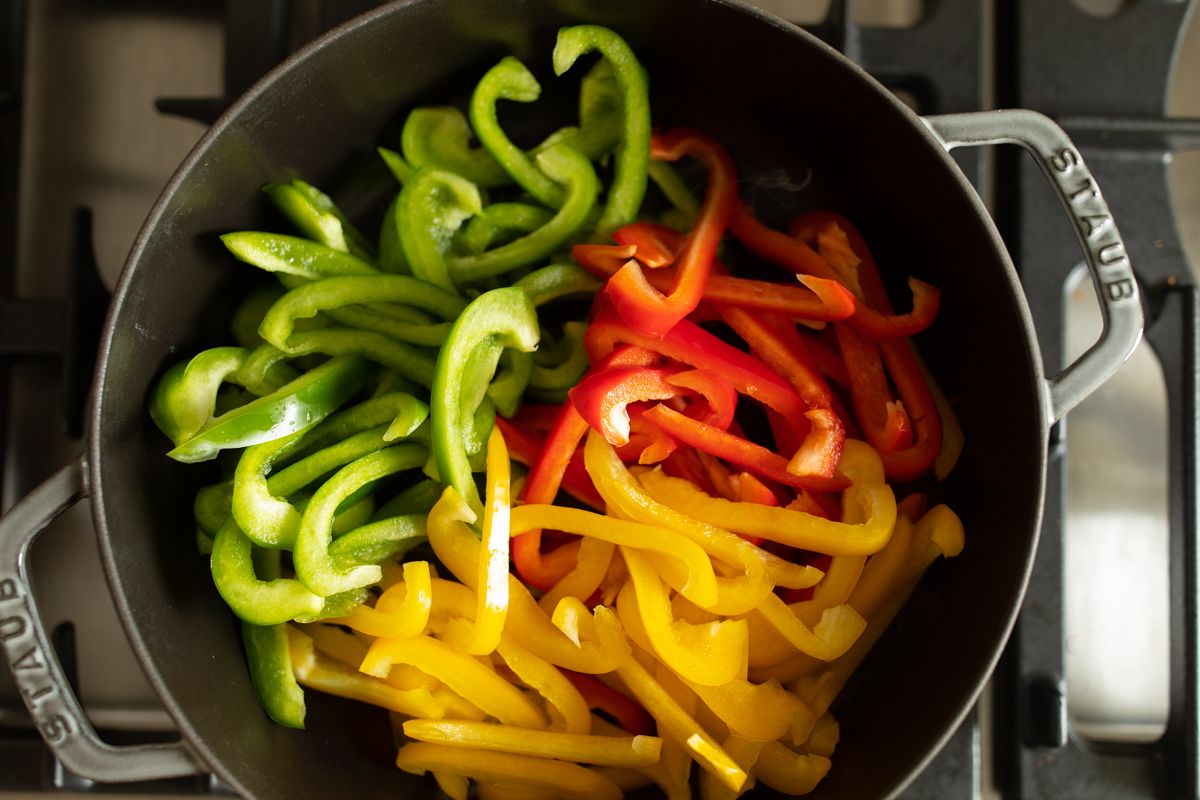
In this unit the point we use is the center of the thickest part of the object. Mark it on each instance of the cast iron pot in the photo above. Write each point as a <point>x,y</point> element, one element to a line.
<point>779,99</point>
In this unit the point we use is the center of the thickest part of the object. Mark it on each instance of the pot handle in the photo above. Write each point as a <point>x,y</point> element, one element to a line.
<point>51,701</point>
<point>1104,251</point>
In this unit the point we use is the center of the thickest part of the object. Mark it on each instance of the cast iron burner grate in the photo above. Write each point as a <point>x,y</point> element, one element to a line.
<point>1084,71</point>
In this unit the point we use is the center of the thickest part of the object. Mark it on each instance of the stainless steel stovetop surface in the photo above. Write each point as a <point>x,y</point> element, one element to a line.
<point>92,137</point>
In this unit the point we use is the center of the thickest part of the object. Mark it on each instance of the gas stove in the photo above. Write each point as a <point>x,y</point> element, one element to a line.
<point>1097,694</point>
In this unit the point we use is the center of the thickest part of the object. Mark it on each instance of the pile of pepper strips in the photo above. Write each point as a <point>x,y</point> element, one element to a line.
<point>734,567</point>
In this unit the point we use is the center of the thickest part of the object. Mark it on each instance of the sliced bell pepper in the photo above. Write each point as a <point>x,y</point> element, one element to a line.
<point>791,773</point>
<point>625,751</point>
<point>314,565</point>
<point>292,255</point>
<point>378,541</point>
<point>401,170</point>
<point>784,525</point>
<point>641,305</point>
<point>883,420</point>
<point>556,281</point>
<point>602,697</point>
<point>433,205</point>
<point>307,399</point>
<point>270,662</point>
<point>495,320</point>
<point>500,220</point>
<point>407,618</point>
<point>438,137</point>
<point>736,450</point>
<point>551,683</point>
<point>628,186</point>
<point>554,379</point>
<point>526,448</point>
<point>602,397</point>
<point>317,217</point>
<point>567,166</point>
<point>511,80</point>
<point>254,600</point>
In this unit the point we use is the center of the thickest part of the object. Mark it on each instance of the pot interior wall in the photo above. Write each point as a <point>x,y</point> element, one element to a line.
<point>780,101</point>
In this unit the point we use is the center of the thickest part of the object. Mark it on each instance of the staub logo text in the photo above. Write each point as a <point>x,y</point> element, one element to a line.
<point>29,663</point>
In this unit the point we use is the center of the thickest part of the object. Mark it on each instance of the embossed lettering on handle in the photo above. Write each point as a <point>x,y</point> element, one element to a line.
<point>1104,251</point>
<point>39,676</point>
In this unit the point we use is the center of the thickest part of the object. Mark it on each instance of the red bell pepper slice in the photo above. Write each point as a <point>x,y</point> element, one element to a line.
<point>796,255</point>
<point>821,300</point>
<point>720,395</point>
<point>736,450</point>
<point>822,447</point>
<point>623,709</point>
<point>602,397</point>
<point>648,443</point>
<point>883,421</point>
<point>692,345</point>
<point>638,302</point>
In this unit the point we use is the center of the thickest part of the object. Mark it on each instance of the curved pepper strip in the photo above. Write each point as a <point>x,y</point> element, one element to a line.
<point>735,595</point>
<point>399,412</point>
<point>315,671</point>
<point>314,565</point>
<point>411,362</point>
<point>625,496</point>
<point>784,525</point>
<point>692,345</point>
<point>249,312</point>
<point>407,618</point>
<point>700,586</point>
<point>185,397</point>
<point>378,541</point>
<point>391,251</point>
<point>459,672</point>
<point>416,499</point>
<point>270,662</point>
<point>710,654</point>
<point>531,774</point>
<point>499,219</point>
<point>676,723</point>
<point>633,153</point>
<point>401,170</point>
<point>761,712</point>
<point>318,217</point>
<point>791,773</point>
<point>552,380</point>
<point>458,548</point>
<point>567,166</point>
<point>297,404</point>
<point>438,137</point>
<point>258,602</point>
<point>625,751</point>
<point>495,320</point>
<point>556,281</point>
<point>602,697</point>
<point>591,567</point>
<point>636,300</point>
<point>883,421</point>
<point>510,80</point>
<point>433,205</point>
<point>736,450</point>
<point>513,373</point>
<point>551,683</point>
<point>292,255</point>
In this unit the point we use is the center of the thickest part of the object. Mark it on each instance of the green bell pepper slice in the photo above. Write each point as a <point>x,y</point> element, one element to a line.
<point>318,217</point>
<point>292,255</point>
<point>564,363</point>
<point>249,313</point>
<point>314,565</point>
<point>270,664</point>
<point>557,281</point>
<point>416,499</point>
<point>340,296</point>
<point>500,221</point>
<point>307,399</point>
<point>378,541</point>
<point>391,251</point>
<point>401,170</point>
<point>511,80</point>
<point>185,398</point>
<point>431,207</point>
<point>671,184</point>
<point>438,137</point>
<point>566,165</point>
<point>260,601</point>
<point>495,320</point>
<point>507,388</point>
<point>628,186</point>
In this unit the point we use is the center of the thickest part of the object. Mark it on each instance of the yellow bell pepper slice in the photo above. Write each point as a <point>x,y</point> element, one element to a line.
<point>401,612</point>
<point>569,711</point>
<point>789,772</point>
<point>457,548</point>
<point>709,654</point>
<point>838,629</point>
<point>336,643</point>
<point>761,712</point>
<point>595,556</point>
<point>625,498</point>
<point>582,748</point>
<point>785,525</point>
<point>671,772</point>
<point>701,583</point>
<point>456,787</point>
<point>492,584</point>
<point>461,673</point>
<point>745,752</point>
<point>315,671</point>
<point>569,781</point>
<point>675,722</point>
<point>736,594</point>
<point>823,740</point>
